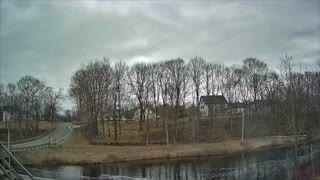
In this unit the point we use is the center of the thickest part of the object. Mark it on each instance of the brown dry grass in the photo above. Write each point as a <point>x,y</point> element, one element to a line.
<point>131,133</point>
<point>215,131</point>
<point>79,151</point>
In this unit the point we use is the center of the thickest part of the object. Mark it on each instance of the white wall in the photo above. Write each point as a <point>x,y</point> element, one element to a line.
<point>203,109</point>
<point>147,112</point>
<point>6,116</point>
<point>237,110</point>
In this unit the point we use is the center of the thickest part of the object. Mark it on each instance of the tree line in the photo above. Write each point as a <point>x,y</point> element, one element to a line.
<point>26,102</point>
<point>105,89</point>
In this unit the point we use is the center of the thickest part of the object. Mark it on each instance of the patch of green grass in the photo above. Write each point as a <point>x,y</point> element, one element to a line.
<point>16,135</point>
<point>44,125</point>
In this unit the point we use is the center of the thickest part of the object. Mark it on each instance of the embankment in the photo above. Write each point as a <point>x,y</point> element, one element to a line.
<point>79,151</point>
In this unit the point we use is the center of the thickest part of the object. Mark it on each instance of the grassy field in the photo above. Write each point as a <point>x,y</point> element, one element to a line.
<point>206,130</point>
<point>15,134</point>
<point>44,125</point>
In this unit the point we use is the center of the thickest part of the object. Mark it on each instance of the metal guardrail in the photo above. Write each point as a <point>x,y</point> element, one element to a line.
<point>24,140</point>
<point>33,147</point>
<point>54,143</point>
<point>4,153</point>
<point>27,140</point>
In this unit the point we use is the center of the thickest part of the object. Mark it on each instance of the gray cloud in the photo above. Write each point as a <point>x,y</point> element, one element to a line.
<point>51,39</point>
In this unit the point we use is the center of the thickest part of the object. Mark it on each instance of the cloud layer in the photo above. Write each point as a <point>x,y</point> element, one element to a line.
<point>50,40</point>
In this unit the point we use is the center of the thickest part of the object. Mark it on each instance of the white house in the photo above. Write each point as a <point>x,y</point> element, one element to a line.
<point>149,114</point>
<point>6,116</point>
<point>213,105</point>
<point>237,108</point>
<point>110,118</point>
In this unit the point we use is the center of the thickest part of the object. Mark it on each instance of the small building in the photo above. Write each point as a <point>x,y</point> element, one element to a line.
<point>5,116</point>
<point>111,114</point>
<point>111,118</point>
<point>213,105</point>
<point>125,115</point>
<point>237,108</point>
<point>149,114</point>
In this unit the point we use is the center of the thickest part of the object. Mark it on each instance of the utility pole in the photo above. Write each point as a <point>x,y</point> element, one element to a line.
<point>242,127</point>
<point>9,129</point>
<point>49,130</point>
<point>50,120</point>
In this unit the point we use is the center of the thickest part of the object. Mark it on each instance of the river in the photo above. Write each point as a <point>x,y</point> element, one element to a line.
<point>267,164</point>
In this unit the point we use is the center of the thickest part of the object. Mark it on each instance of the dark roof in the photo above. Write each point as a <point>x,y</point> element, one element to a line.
<point>237,105</point>
<point>261,102</point>
<point>214,99</point>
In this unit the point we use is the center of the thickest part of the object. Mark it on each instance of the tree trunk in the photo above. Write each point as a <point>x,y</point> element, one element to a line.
<point>141,116</point>
<point>102,124</point>
<point>166,128</point>
<point>231,125</point>
<point>109,133</point>
<point>157,123</point>
<point>193,130</point>
<point>119,111</point>
<point>148,127</point>
<point>114,118</point>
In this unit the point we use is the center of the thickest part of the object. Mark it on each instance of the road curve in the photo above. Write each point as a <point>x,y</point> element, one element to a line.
<point>58,136</point>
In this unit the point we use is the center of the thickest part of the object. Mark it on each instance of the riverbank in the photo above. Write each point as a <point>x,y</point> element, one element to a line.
<point>79,151</point>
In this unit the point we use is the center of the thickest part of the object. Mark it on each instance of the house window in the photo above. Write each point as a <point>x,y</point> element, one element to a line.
<point>201,107</point>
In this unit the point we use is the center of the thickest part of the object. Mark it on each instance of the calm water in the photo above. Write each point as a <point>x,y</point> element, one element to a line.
<point>265,164</point>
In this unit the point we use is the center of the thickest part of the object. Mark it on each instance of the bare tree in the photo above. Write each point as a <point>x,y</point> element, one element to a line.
<point>88,89</point>
<point>217,78</point>
<point>108,78</point>
<point>138,82</point>
<point>177,71</point>
<point>295,108</point>
<point>30,90</point>
<point>11,99</point>
<point>237,83</point>
<point>230,80</point>
<point>196,67</point>
<point>1,95</point>
<point>120,70</point>
<point>155,87</point>
<point>147,99</point>
<point>208,76</point>
<point>52,98</point>
<point>164,87</point>
<point>255,71</point>
<point>2,100</point>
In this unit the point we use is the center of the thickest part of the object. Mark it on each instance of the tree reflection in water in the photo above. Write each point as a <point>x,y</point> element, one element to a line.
<point>265,165</point>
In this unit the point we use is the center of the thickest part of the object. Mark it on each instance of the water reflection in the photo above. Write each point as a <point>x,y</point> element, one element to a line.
<point>262,165</point>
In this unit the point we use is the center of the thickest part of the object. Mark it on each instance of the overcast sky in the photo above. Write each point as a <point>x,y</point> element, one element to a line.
<point>50,40</point>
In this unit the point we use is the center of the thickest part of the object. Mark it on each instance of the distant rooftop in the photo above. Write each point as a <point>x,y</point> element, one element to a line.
<point>237,105</point>
<point>214,99</point>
